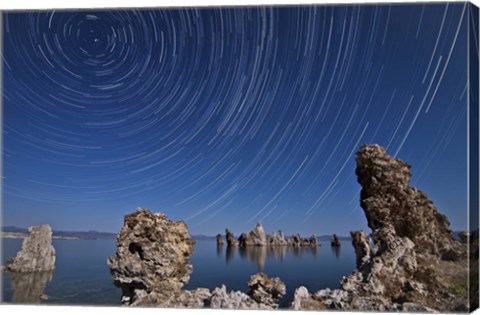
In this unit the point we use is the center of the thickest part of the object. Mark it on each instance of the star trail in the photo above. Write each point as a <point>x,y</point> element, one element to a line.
<point>226,116</point>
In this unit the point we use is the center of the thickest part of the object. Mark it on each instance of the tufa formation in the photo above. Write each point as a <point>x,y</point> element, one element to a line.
<point>415,264</point>
<point>153,254</point>
<point>37,253</point>
<point>152,264</point>
<point>258,237</point>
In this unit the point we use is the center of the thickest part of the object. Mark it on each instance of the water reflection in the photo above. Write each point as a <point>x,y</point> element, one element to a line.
<point>336,251</point>
<point>219,250</point>
<point>229,254</point>
<point>29,287</point>
<point>259,254</point>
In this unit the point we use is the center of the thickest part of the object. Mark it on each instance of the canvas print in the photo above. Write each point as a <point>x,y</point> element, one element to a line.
<point>301,157</point>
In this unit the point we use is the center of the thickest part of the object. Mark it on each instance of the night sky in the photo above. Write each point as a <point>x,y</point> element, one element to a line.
<point>226,117</point>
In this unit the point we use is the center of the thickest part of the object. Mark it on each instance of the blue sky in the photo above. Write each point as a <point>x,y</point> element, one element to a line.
<point>226,117</point>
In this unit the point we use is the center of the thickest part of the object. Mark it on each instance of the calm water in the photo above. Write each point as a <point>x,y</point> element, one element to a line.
<point>82,275</point>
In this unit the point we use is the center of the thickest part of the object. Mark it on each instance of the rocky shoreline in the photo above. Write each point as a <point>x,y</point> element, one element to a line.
<point>152,264</point>
<point>24,235</point>
<point>414,265</point>
<point>410,261</point>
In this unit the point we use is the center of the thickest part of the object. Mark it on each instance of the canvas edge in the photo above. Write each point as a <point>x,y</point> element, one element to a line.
<point>473,148</point>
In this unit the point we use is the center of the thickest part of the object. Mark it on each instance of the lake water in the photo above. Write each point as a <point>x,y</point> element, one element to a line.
<point>82,275</point>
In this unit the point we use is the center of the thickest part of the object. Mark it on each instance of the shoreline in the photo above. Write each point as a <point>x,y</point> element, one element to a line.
<point>24,235</point>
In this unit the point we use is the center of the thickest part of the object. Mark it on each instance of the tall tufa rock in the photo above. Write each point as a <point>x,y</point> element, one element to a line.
<point>415,264</point>
<point>335,241</point>
<point>389,202</point>
<point>266,290</point>
<point>256,237</point>
<point>37,253</point>
<point>153,255</point>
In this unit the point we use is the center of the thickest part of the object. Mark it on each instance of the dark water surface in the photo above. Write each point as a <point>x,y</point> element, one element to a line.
<point>82,275</point>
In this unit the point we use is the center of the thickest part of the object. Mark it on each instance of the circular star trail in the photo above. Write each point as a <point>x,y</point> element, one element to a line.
<point>228,116</point>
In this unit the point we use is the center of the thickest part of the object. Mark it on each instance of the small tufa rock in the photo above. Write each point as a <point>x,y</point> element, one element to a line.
<point>220,240</point>
<point>304,301</point>
<point>335,242</point>
<point>37,253</point>
<point>266,290</point>
<point>313,240</point>
<point>231,241</point>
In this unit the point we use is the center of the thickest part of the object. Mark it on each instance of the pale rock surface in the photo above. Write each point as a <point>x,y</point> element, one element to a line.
<point>153,255</point>
<point>266,290</point>
<point>37,253</point>
<point>223,299</point>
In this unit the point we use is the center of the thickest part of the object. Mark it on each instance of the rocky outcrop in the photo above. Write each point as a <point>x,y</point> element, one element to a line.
<point>197,298</point>
<point>258,237</point>
<point>361,245</point>
<point>313,241</point>
<point>298,241</point>
<point>231,241</point>
<point>153,255</point>
<point>220,240</point>
<point>303,300</point>
<point>37,253</point>
<point>415,261</point>
<point>335,241</point>
<point>152,263</point>
<point>276,239</point>
<point>265,292</point>
<point>389,201</point>
<point>233,300</point>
